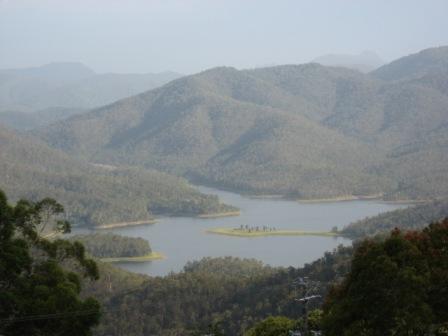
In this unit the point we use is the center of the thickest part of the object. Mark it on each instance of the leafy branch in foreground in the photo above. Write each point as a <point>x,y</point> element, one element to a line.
<point>39,281</point>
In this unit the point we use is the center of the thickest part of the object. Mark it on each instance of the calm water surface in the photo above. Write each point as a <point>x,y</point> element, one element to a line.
<point>184,239</point>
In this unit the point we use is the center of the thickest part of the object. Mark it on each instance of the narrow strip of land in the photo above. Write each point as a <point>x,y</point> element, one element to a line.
<point>344,198</point>
<point>124,224</point>
<point>148,257</point>
<point>220,214</point>
<point>254,233</point>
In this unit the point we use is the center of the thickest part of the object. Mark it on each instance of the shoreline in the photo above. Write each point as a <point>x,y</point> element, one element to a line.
<point>125,224</point>
<point>410,202</point>
<point>346,198</point>
<point>238,233</point>
<point>149,257</point>
<point>360,198</point>
<point>220,214</point>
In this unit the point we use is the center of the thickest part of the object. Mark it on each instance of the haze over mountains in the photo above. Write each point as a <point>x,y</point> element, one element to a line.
<point>364,62</point>
<point>307,131</point>
<point>35,96</point>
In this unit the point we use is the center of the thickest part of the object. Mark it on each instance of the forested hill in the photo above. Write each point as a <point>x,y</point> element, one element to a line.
<point>428,61</point>
<point>94,195</point>
<point>232,293</point>
<point>308,131</point>
<point>412,218</point>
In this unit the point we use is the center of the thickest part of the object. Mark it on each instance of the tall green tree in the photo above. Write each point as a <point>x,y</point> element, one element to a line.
<point>398,286</point>
<point>40,278</point>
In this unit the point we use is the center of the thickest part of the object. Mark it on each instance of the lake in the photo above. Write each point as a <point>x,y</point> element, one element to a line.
<point>184,239</point>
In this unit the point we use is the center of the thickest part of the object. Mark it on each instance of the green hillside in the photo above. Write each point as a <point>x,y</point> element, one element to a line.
<point>230,292</point>
<point>413,218</point>
<point>94,195</point>
<point>306,131</point>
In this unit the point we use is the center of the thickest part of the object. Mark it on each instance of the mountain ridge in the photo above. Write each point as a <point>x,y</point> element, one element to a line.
<point>307,131</point>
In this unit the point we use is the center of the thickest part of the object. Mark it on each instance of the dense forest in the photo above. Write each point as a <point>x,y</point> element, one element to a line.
<point>92,194</point>
<point>111,245</point>
<point>231,293</point>
<point>396,286</point>
<point>306,131</point>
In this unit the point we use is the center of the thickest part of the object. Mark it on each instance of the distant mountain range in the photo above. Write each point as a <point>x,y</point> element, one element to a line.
<point>308,131</point>
<point>364,62</point>
<point>65,89</point>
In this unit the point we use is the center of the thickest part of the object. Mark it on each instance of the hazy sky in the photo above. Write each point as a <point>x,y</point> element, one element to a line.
<point>191,35</point>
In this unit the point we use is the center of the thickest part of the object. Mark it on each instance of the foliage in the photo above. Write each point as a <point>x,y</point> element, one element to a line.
<point>111,245</point>
<point>227,267</point>
<point>272,326</point>
<point>395,287</point>
<point>39,281</point>
<point>112,282</point>
<point>229,294</point>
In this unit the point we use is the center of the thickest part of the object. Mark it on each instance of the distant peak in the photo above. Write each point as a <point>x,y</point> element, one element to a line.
<point>56,66</point>
<point>78,66</point>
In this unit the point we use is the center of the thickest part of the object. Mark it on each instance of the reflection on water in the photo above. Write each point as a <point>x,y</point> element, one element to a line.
<point>183,239</point>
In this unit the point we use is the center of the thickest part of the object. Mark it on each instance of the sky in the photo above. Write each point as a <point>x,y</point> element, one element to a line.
<point>188,36</point>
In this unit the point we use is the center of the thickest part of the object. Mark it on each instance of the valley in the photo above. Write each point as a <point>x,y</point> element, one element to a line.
<point>215,203</point>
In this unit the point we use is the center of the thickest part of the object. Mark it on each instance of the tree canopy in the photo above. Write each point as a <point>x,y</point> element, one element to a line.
<point>40,278</point>
<point>398,286</point>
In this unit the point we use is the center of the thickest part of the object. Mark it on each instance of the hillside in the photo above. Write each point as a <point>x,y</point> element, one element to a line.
<point>431,61</point>
<point>413,218</point>
<point>230,292</point>
<point>306,131</point>
<point>21,121</point>
<point>93,195</point>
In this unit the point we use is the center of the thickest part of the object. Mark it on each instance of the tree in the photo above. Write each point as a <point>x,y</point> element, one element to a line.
<point>315,319</point>
<point>272,326</point>
<point>39,281</point>
<point>397,286</point>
